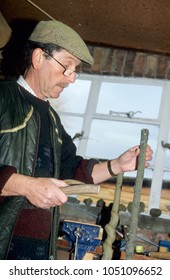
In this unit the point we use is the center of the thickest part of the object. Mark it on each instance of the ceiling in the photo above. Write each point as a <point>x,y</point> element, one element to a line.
<point>142,24</point>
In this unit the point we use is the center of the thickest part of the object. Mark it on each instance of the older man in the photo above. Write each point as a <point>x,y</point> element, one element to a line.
<point>36,153</point>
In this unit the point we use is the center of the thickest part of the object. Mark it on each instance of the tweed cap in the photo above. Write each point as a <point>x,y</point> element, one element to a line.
<point>58,33</point>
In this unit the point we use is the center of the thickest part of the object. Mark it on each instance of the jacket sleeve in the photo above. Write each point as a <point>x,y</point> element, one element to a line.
<point>5,174</point>
<point>72,165</point>
<point>84,170</point>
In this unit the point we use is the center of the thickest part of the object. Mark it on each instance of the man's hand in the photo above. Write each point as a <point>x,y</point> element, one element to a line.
<point>45,192</point>
<point>41,192</point>
<point>128,160</point>
<point>124,163</point>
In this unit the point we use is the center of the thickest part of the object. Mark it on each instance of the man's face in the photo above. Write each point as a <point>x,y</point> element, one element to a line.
<point>51,75</point>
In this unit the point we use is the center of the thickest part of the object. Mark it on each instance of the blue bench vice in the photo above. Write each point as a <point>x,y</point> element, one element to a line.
<point>83,237</point>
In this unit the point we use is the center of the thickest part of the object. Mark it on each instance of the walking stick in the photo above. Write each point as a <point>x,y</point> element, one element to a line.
<point>137,195</point>
<point>111,226</point>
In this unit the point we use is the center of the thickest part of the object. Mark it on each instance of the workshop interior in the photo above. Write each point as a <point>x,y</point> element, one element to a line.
<point>128,216</point>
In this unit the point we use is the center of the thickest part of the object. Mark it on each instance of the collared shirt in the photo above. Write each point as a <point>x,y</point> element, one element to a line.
<point>21,81</point>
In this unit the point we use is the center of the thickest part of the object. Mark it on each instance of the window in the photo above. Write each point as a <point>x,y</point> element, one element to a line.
<point>105,116</point>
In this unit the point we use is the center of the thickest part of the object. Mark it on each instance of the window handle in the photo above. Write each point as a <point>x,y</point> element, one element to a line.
<point>165,145</point>
<point>129,114</point>
<point>78,135</point>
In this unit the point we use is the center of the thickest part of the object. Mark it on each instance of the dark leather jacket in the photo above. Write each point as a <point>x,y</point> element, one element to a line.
<point>19,137</point>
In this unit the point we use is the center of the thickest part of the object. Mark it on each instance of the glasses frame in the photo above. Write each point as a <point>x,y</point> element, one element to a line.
<point>67,71</point>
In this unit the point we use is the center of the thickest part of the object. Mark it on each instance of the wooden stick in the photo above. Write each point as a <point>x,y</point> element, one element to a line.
<point>41,10</point>
<point>80,189</point>
<point>111,226</point>
<point>137,195</point>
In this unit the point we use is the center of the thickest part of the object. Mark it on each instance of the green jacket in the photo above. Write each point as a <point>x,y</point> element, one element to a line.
<point>19,137</point>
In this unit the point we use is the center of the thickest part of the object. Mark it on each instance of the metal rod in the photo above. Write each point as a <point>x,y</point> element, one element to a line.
<point>147,241</point>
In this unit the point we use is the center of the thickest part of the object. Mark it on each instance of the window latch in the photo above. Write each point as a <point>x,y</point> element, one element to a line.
<point>78,135</point>
<point>129,114</point>
<point>165,145</point>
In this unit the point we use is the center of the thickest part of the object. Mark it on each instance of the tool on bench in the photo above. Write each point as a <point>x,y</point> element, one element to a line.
<point>163,246</point>
<point>82,237</point>
<point>159,255</point>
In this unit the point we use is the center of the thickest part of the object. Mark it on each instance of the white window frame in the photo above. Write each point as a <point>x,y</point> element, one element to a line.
<point>163,122</point>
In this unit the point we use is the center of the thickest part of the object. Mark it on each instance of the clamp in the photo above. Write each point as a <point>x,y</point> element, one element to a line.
<point>82,237</point>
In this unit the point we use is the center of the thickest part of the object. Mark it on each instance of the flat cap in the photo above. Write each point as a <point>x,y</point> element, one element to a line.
<point>58,33</point>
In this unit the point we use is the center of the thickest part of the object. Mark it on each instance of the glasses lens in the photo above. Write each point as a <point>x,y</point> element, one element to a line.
<point>69,72</point>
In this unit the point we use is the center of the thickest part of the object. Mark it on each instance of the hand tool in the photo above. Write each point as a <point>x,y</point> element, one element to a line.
<point>78,187</point>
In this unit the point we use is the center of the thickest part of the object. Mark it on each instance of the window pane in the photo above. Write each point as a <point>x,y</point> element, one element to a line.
<point>72,126</point>
<point>109,139</point>
<point>74,98</point>
<point>130,97</point>
<point>166,176</point>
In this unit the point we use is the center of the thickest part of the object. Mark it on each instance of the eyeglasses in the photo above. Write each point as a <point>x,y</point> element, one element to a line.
<point>67,71</point>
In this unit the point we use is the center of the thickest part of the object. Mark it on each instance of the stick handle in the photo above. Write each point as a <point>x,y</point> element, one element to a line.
<point>80,189</point>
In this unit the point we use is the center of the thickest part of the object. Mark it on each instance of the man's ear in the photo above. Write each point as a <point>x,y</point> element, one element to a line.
<point>37,58</point>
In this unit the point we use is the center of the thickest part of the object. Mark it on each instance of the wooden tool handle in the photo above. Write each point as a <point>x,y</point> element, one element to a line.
<point>80,189</point>
<point>160,255</point>
<point>72,182</point>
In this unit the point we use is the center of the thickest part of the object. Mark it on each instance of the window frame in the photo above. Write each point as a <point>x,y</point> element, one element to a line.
<point>162,122</point>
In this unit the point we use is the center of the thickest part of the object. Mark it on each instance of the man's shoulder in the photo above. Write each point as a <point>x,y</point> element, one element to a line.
<point>6,84</point>
<point>9,91</point>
